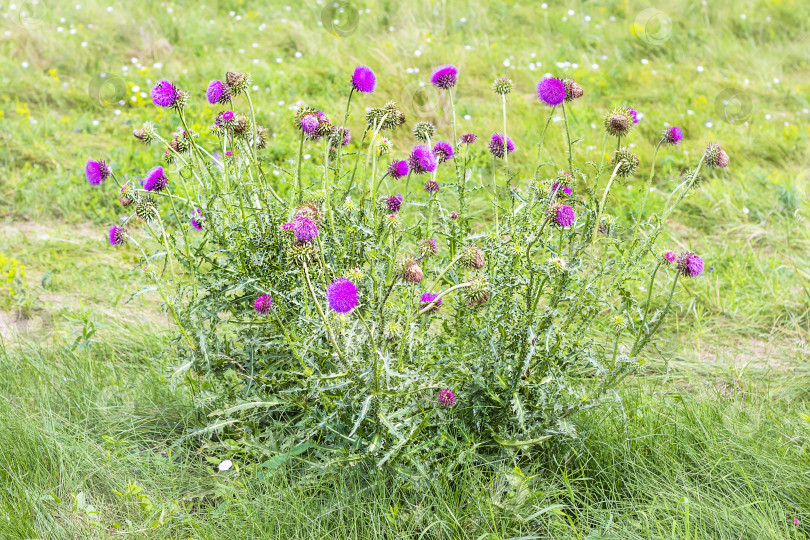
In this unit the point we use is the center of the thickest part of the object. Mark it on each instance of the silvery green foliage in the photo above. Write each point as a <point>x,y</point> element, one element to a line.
<point>537,321</point>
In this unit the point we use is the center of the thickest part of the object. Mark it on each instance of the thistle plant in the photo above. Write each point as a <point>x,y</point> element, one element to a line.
<point>332,305</point>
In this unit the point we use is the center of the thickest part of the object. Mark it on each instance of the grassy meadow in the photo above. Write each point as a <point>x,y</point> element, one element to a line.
<point>711,441</point>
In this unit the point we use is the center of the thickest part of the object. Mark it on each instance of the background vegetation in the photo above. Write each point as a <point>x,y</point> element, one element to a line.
<point>711,441</point>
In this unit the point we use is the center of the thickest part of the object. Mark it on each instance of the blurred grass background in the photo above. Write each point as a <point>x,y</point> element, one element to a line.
<point>711,441</point>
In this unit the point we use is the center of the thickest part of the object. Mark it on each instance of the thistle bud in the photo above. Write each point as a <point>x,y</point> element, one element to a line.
<point>627,162</point>
<point>556,265</point>
<point>618,323</point>
<point>668,257</point>
<point>146,209</point>
<point>716,157</point>
<point>300,253</point>
<point>355,275</point>
<point>237,82</point>
<point>472,257</point>
<point>424,131</point>
<point>383,145</point>
<point>146,133</point>
<point>502,86</point>
<point>126,196</point>
<point>391,221</point>
<point>428,247</point>
<point>478,291</point>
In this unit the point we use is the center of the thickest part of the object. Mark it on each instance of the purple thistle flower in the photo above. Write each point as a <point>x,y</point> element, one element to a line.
<point>309,124</point>
<point>217,92</point>
<point>304,229</point>
<point>634,114</point>
<point>394,202</point>
<point>427,298</point>
<point>263,304</point>
<point>689,264</point>
<point>117,235</point>
<point>96,171</point>
<point>673,135</point>
<point>364,80</point>
<point>341,295</point>
<point>286,226</point>
<point>446,398</point>
<point>669,256</point>
<point>398,169</point>
<point>322,118</point>
<point>469,138</point>
<point>165,94</point>
<point>496,145</point>
<point>432,186</point>
<point>443,151</point>
<point>155,179</point>
<point>551,91</point>
<point>196,223</point>
<point>444,77</point>
<point>563,215</point>
<point>561,189</point>
<point>422,160</point>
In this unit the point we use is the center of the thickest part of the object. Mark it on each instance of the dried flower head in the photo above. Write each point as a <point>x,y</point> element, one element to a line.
<point>126,195</point>
<point>715,156</point>
<point>473,257</point>
<point>237,82</point>
<point>412,272</point>
<point>619,122</point>
<point>551,91</point>
<point>573,90</point>
<point>444,77</point>
<point>146,133</point>
<point>427,247</point>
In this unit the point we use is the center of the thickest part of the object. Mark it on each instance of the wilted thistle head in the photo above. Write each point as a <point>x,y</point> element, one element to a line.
<point>573,90</point>
<point>424,131</point>
<point>398,169</point>
<point>263,304</point>
<point>145,133</point>
<point>117,235</point>
<point>96,172</point>
<point>126,195</point>
<point>428,247</point>
<point>237,82</point>
<point>196,219</point>
<point>561,215</point>
<point>364,80</point>
<point>444,77</point>
<point>627,161</point>
<point>473,257</point>
<point>496,145</point>
<point>502,86</point>
<point>446,398</point>
<point>165,94</point>
<point>619,122</point>
<point>427,298</point>
<point>668,256</point>
<point>432,186</point>
<point>478,292</point>
<point>146,208</point>
<point>716,156</point>
<point>412,272</point>
<point>311,210</point>
<point>673,135</point>
<point>469,138</point>
<point>422,160</point>
<point>263,137</point>
<point>155,179</point>
<point>217,92</point>
<point>443,151</point>
<point>394,202</point>
<point>551,91</point>
<point>689,264</point>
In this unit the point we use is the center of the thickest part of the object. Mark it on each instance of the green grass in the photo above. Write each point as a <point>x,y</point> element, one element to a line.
<point>710,442</point>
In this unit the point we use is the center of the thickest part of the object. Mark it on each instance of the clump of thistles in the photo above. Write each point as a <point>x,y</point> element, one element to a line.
<point>496,145</point>
<point>446,398</point>
<point>155,179</point>
<point>263,304</point>
<point>304,229</point>
<point>551,91</point>
<point>689,264</point>
<point>502,86</point>
<point>364,80</point>
<point>443,151</point>
<point>716,156</point>
<point>117,235</point>
<point>673,135</point>
<point>422,160</point>
<point>398,169</point>
<point>341,295</point>
<point>444,77</point>
<point>626,161</point>
<point>430,299</point>
<point>562,215</point>
<point>96,172</point>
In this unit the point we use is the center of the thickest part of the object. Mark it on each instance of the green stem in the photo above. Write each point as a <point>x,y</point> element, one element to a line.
<point>570,144</point>
<point>299,189</point>
<point>646,191</point>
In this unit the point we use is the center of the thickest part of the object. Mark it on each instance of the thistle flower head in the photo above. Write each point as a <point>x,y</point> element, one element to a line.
<point>633,114</point>
<point>560,190</point>
<point>443,151</point>
<point>237,82</point>
<point>427,298</point>
<point>551,91</point>
<point>412,272</point>
<point>428,247</point>
<point>715,156</point>
<point>626,160</point>
<point>573,90</point>
<point>422,160</point>
<point>338,137</point>
<point>478,292</point>
<point>473,257</point>
<point>496,145</point>
<point>145,133</point>
<point>668,257</point>
<point>689,264</point>
<point>155,179</point>
<point>217,92</point>
<point>469,138</point>
<point>502,86</point>
<point>446,398</point>
<point>196,219</point>
<point>341,295</point>
<point>146,208</point>
<point>117,235</point>
<point>309,124</point>
<point>364,80</point>
<point>165,94</point>
<point>444,77</point>
<point>96,172</point>
<point>424,131</point>
<point>556,265</point>
<point>673,135</point>
<point>383,145</point>
<point>619,122</point>
<point>398,169</point>
<point>304,229</point>
<point>432,186</point>
<point>126,196</point>
<point>391,221</point>
<point>263,304</point>
<point>394,203</point>
<point>562,215</point>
